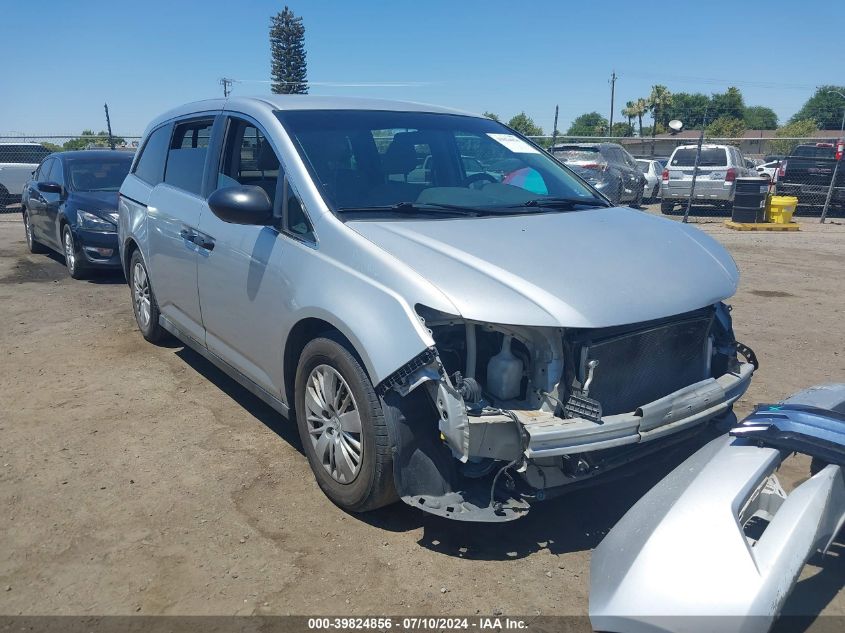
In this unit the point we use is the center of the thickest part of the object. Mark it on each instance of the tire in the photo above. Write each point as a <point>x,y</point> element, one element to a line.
<point>638,199</point>
<point>655,193</point>
<point>33,246</point>
<point>326,367</point>
<point>666,207</point>
<point>4,200</point>
<point>146,311</point>
<point>73,258</point>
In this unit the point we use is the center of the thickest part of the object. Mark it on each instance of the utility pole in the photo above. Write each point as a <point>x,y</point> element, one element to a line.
<point>554,133</point>
<point>226,83</point>
<point>108,125</point>
<point>612,94</point>
<point>695,167</point>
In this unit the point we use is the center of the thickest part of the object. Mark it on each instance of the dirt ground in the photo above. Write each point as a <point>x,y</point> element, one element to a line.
<point>139,479</point>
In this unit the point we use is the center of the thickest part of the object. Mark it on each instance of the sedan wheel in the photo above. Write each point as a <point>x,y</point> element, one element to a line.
<point>32,245</point>
<point>72,258</point>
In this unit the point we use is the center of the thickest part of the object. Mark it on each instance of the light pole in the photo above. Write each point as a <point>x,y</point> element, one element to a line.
<point>836,92</point>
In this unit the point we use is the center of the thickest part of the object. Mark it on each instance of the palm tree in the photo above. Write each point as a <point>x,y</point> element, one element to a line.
<point>628,113</point>
<point>640,107</point>
<point>658,102</point>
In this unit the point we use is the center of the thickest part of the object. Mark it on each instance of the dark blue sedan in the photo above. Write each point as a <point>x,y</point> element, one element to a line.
<point>70,206</point>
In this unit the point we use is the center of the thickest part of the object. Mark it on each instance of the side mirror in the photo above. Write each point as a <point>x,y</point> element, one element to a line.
<point>49,187</point>
<point>245,204</point>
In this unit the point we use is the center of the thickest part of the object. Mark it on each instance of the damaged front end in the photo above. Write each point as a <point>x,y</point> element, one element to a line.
<point>495,416</point>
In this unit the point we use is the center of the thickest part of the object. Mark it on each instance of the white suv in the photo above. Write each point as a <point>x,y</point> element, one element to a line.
<point>718,169</point>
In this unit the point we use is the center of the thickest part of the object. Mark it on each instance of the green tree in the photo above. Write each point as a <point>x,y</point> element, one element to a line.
<point>760,118</point>
<point>525,125</point>
<point>794,129</point>
<point>629,112</point>
<point>659,102</point>
<point>89,138</point>
<point>825,107</point>
<point>726,127</point>
<point>640,109</point>
<point>727,104</point>
<point>288,69</point>
<point>491,115</point>
<point>689,108</point>
<point>588,124</point>
<point>622,129</point>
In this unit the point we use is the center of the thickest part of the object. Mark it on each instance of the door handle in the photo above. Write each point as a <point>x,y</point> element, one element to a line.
<point>187,234</point>
<point>203,241</point>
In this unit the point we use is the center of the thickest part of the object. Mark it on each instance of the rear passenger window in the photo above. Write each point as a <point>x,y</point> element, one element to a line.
<point>150,166</point>
<point>186,156</point>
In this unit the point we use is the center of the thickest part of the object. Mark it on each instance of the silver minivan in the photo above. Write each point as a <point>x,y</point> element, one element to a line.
<point>718,169</point>
<point>471,339</point>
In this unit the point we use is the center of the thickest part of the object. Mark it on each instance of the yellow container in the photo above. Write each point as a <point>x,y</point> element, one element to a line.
<point>781,209</point>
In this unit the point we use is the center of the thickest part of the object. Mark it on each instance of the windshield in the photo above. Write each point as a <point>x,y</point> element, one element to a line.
<point>398,162</point>
<point>97,175</point>
<point>579,155</point>
<point>26,154</point>
<point>710,157</point>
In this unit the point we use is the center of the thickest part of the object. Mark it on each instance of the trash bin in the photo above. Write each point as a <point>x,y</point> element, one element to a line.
<point>782,208</point>
<point>750,200</point>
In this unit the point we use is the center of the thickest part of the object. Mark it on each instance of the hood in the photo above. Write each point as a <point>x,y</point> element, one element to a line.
<point>593,268</point>
<point>94,201</point>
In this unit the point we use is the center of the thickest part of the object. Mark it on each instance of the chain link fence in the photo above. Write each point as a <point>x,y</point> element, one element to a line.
<point>804,167</point>
<point>801,167</point>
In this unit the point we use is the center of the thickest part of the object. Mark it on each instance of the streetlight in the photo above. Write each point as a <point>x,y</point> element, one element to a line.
<point>836,92</point>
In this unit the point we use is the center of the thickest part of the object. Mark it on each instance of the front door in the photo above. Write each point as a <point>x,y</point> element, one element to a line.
<point>244,291</point>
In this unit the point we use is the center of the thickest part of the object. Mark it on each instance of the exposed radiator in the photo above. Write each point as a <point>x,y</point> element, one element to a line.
<point>640,366</point>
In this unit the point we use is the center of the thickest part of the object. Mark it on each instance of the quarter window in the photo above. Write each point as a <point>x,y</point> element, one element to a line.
<point>150,165</point>
<point>187,154</point>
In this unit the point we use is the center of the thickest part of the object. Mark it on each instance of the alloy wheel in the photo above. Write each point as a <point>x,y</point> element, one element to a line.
<point>141,294</point>
<point>70,254</point>
<point>334,423</point>
<point>28,229</point>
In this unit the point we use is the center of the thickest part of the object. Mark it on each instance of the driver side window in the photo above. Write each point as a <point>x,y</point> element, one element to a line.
<point>248,159</point>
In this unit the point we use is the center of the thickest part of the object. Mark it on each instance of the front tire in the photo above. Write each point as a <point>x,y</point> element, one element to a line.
<point>655,193</point>
<point>73,258</point>
<point>342,427</point>
<point>34,246</point>
<point>144,303</point>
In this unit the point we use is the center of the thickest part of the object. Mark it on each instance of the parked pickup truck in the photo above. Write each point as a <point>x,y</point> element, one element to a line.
<point>17,162</point>
<point>806,173</point>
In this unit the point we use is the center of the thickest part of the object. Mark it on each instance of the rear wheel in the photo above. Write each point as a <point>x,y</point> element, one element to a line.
<point>666,207</point>
<point>31,243</point>
<point>342,427</point>
<point>143,300</point>
<point>638,200</point>
<point>73,258</point>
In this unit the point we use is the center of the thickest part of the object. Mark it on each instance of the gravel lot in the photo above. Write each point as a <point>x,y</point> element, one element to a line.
<point>139,479</point>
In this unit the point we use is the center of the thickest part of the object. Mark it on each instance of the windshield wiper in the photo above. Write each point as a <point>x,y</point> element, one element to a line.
<point>413,208</point>
<point>565,203</point>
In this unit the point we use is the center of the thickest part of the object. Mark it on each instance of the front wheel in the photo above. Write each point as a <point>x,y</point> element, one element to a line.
<point>342,427</point>
<point>638,200</point>
<point>666,207</point>
<point>73,258</point>
<point>655,193</point>
<point>143,300</point>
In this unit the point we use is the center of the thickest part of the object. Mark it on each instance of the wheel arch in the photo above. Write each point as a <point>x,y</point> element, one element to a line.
<point>129,247</point>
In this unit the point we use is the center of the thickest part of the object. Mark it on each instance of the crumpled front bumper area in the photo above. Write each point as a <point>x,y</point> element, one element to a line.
<point>718,536</point>
<point>684,408</point>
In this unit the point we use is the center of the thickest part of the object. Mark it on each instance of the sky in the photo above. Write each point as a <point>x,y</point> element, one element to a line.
<point>63,59</point>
